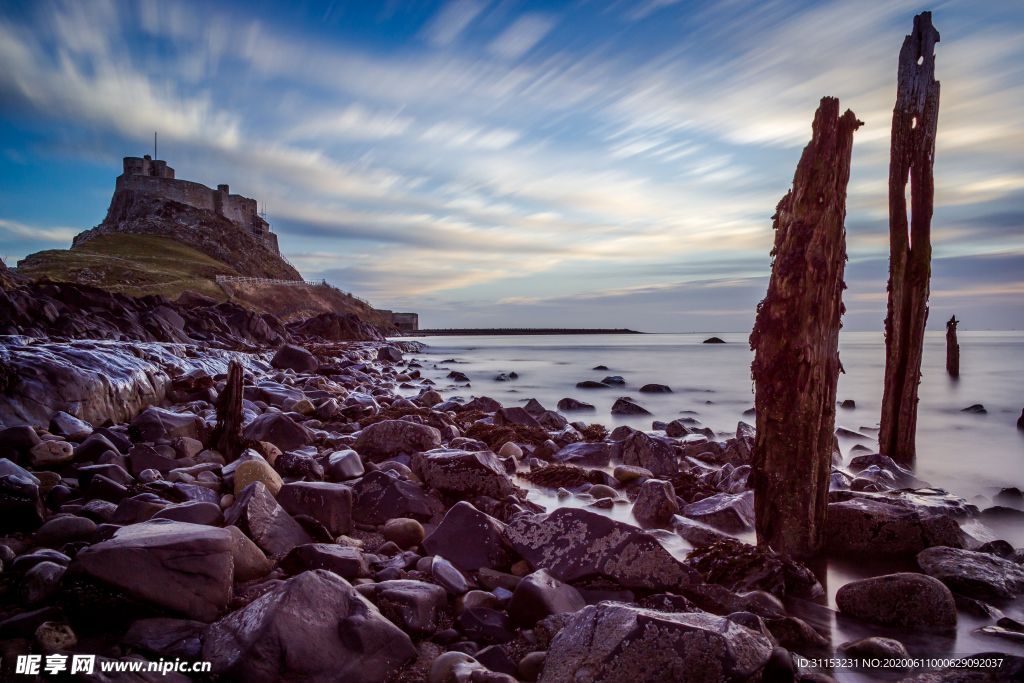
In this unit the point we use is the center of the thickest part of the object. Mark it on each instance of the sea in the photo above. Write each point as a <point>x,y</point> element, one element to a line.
<point>971,453</point>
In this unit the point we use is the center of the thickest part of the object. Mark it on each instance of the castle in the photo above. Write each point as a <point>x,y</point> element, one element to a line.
<point>154,176</point>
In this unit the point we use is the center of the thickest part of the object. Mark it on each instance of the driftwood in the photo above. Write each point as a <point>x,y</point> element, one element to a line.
<point>796,343</point>
<point>227,435</point>
<point>952,348</point>
<point>914,122</point>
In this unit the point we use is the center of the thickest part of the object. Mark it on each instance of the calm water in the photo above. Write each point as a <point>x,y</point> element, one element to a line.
<point>971,455</point>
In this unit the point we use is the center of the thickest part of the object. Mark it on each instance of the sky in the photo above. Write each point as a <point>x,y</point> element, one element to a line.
<point>503,163</point>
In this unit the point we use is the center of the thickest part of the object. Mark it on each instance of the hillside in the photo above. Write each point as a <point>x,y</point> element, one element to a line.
<point>138,265</point>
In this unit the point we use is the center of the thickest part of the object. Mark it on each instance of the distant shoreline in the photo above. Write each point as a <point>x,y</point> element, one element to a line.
<point>517,330</point>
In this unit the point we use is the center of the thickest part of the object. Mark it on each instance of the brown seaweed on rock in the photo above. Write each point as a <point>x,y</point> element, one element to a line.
<point>496,437</point>
<point>742,567</point>
<point>555,476</point>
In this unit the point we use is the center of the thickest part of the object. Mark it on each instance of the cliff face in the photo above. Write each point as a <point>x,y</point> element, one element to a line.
<point>139,213</point>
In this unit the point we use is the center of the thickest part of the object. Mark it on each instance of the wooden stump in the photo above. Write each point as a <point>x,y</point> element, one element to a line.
<point>227,435</point>
<point>912,153</point>
<point>796,343</point>
<point>952,348</point>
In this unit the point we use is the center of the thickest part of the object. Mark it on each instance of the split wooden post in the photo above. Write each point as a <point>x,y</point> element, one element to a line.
<point>796,343</point>
<point>227,437</point>
<point>912,154</point>
<point>952,348</point>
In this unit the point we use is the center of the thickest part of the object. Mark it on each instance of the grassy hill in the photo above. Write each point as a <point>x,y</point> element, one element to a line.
<point>145,264</point>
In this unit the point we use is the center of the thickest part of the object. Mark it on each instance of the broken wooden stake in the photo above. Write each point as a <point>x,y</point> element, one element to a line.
<point>912,154</point>
<point>952,348</point>
<point>227,435</point>
<point>796,343</point>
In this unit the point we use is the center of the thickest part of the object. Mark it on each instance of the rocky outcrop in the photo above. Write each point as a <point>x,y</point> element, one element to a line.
<point>337,327</point>
<point>617,642</point>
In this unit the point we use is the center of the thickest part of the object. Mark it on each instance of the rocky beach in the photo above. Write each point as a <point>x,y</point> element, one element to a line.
<point>379,526</point>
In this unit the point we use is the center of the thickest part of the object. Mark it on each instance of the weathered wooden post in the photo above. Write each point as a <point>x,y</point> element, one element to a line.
<point>796,343</point>
<point>912,154</point>
<point>952,348</point>
<point>227,437</point>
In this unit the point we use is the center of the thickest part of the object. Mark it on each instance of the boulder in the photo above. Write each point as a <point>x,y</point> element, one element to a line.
<point>21,439</point>
<point>389,353</point>
<point>41,583</point>
<point>344,561</point>
<point>573,544</point>
<point>193,512</point>
<point>154,424</point>
<point>250,562</point>
<point>312,627</point>
<point>280,430</point>
<point>391,437</point>
<point>471,539</point>
<point>540,595</point>
<point>645,451</point>
<point>655,389</point>
<point>585,454</point>
<point>51,455</point>
<point>404,532</point>
<point>864,525</point>
<point>627,406</point>
<point>257,514</point>
<point>182,568</point>
<point>516,417</point>
<point>568,404</point>
<point>257,470</point>
<point>617,642</point>
<point>60,530</point>
<point>380,497</point>
<point>656,504</point>
<point>21,509</point>
<point>414,606</point>
<point>447,575</point>
<point>978,575</point>
<point>330,504</point>
<point>463,473</point>
<point>144,457</point>
<point>904,600</point>
<point>729,512</point>
<point>343,465</point>
<point>485,625</point>
<point>293,358</point>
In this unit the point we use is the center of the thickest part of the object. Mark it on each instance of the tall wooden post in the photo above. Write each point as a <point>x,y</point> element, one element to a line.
<point>952,348</point>
<point>914,122</point>
<point>796,343</point>
<point>227,436</point>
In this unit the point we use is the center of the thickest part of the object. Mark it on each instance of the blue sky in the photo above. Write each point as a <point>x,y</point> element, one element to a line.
<point>509,163</point>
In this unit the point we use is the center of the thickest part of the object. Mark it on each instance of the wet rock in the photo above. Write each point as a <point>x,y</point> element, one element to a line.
<point>585,454</point>
<point>341,560</point>
<point>330,504</point>
<point>154,424</point>
<point>730,512</point>
<point>144,457</point>
<point>624,405</point>
<point>982,576</point>
<point>627,473</point>
<point>746,568</point>
<point>531,666</point>
<point>52,636</point>
<point>294,358</point>
<point>904,600</point>
<point>485,625</point>
<point>94,447</point>
<point>21,439</point>
<point>863,525</point>
<point>166,638</point>
<point>656,504</point>
<point>257,514</point>
<point>182,568</point>
<point>616,642</point>
<point>257,470</point>
<point>471,539</point>
<point>40,583</point>
<point>591,384</point>
<point>696,534</point>
<point>569,404</point>
<point>391,437</point>
<point>249,561</point>
<point>60,530</point>
<point>652,454</point>
<point>448,576</point>
<point>403,532</point>
<point>797,635</point>
<point>280,430</point>
<point>21,509</point>
<point>873,648</point>
<point>389,353</point>
<point>414,606</point>
<point>343,465</point>
<point>314,626</point>
<point>51,455</point>
<point>516,417</point>
<point>976,409</point>
<point>575,544</point>
<point>380,497</point>
<point>463,473</point>
<point>193,512</point>
<point>497,660</point>
<point>540,595</point>
<point>714,340</point>
<point>655,389</point>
